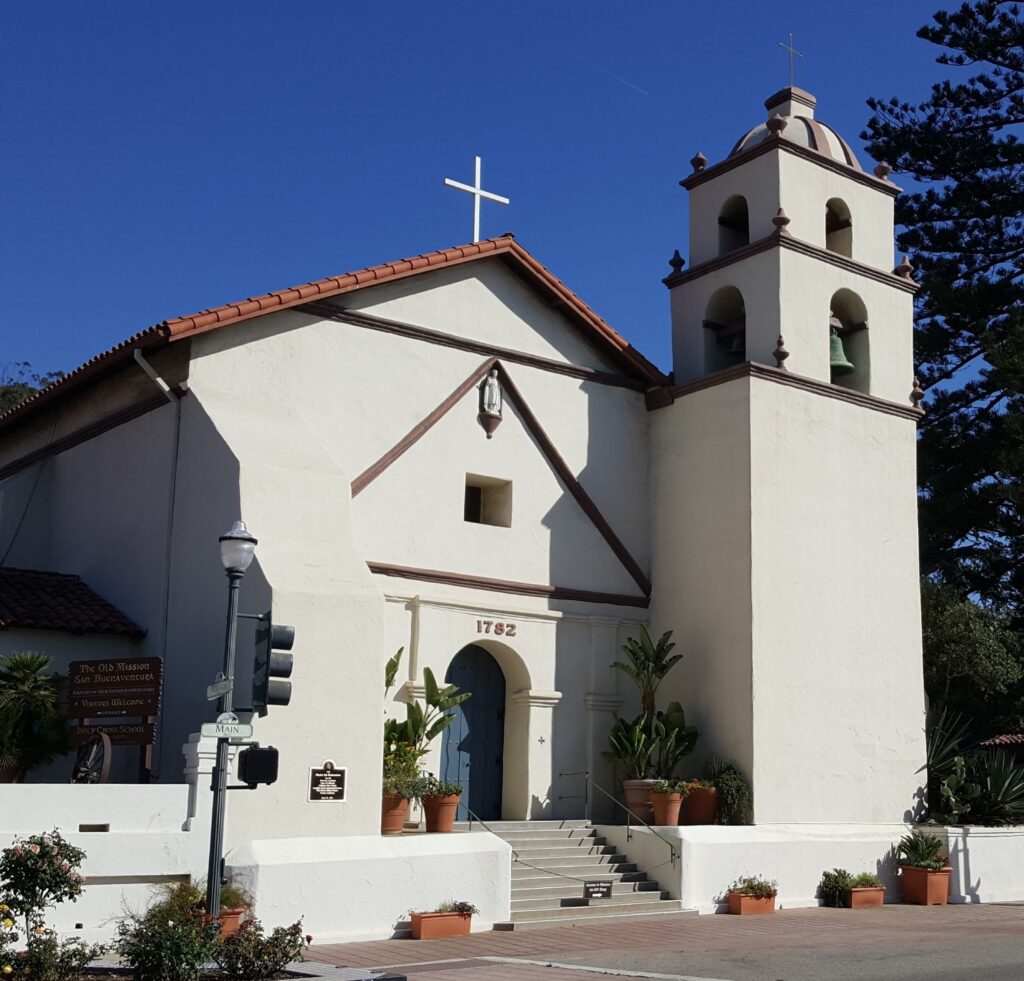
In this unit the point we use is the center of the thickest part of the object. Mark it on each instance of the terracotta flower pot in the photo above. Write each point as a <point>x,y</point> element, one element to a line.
<point>440,811</point>
<point>743,904</point>
<point>433,926</point>
<point>666,808</point>
<point>392,814</point>
<point>638,798</point>
<point>230,921</point>
<point>925,887</point>
<point>701,806</point>
<point>864,897</point>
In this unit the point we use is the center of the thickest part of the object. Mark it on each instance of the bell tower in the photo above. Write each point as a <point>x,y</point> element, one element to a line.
<point>786,554</point>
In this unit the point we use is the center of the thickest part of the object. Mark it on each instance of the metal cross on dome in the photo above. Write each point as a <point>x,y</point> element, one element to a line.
<point>792,51</point>
<point>478,192</point>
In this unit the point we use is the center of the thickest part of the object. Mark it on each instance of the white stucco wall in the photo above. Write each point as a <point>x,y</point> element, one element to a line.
<point>362,888</point>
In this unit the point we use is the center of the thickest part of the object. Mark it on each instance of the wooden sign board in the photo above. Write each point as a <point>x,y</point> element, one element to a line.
<point>327,782</point>
<point>597,890</point>
<point>112,687</point>
<point>120,733</point>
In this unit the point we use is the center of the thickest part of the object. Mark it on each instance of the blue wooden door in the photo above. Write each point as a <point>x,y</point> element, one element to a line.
<point>473,745</point>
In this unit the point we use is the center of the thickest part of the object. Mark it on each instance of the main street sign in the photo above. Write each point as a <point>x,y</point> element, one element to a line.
<point>226,730</point>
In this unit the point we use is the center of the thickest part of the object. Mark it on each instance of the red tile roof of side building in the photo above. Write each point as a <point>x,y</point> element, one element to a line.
<point>595,329</point>
<point>35,600</point>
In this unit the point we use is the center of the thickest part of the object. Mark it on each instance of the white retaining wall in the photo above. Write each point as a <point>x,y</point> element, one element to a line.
<point>360,888</point>
<point>988,863</point>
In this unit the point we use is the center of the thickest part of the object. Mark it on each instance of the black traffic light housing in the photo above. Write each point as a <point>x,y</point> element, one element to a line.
<point>257,764</point>
<point>272,664</point>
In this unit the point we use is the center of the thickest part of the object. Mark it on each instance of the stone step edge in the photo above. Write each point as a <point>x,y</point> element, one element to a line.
<point>584,920</point>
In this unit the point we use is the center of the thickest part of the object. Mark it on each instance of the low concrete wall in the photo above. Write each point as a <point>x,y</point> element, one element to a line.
<point>363,887</point>
<point>712,857</point>
<point>988,864</point>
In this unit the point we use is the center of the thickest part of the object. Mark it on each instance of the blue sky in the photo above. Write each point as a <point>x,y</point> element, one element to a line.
<point>164,158</point>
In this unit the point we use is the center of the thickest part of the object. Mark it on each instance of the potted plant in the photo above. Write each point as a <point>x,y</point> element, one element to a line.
<point>183,899</point>
<point>701,802</point>
<point>451,919</point>
<point>650,746</point>
<point>924,872</point>
<point>399,786</point>
<point>735,803</point>
<point>750,894</point>
<point>234,904</point>
<point>33,730</point>
<point>440,802</point>
<point>841,888</point>
<point>666,800</point>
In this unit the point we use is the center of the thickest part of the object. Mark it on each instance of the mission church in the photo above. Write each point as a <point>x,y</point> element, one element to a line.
<point>455,455</point>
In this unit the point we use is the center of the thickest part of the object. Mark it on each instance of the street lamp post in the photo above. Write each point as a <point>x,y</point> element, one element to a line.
<point>236,552</point>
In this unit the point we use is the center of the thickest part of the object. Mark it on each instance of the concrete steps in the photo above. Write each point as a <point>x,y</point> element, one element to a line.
<point>551,862</point>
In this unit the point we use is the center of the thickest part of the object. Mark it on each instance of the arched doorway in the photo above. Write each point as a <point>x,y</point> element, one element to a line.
<point>473,746</point>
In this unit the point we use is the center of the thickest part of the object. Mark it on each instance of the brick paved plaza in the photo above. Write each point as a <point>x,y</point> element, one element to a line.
<point>883,943</point>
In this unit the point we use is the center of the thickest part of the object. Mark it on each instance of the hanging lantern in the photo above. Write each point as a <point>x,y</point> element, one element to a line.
<point>837,362</point>
<point>491,403</point>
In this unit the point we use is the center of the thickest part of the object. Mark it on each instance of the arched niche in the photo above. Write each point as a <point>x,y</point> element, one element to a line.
<point>838,227</point>
<point>725,330</point>
<point>733,225</point>
<point>848,317</point>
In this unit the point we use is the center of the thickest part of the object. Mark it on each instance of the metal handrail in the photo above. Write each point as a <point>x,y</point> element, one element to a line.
<point>591,782</point>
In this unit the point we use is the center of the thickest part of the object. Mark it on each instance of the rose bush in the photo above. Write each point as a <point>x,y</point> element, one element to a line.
<point>40,871</point>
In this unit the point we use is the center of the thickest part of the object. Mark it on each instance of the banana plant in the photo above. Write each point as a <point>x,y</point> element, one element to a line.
<point>648,664</point>
<point>630,746</point>
<point>423,723</point>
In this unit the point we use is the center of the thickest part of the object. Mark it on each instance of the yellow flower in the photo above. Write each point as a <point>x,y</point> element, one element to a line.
<point>8,923</point>
<point>4,907</point>
<point>7,968</point>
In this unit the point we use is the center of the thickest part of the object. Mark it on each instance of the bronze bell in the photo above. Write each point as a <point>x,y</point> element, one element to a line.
<point>738,346</point>
<point>836,355</point>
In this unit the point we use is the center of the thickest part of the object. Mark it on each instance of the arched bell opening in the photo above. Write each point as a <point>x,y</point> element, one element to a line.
<point>849,346</point>
<point>725,330</point>
<point>733,225</point>
<point>838,227</point>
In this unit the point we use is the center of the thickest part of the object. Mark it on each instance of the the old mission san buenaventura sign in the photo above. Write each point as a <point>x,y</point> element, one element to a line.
<point>116,689</point>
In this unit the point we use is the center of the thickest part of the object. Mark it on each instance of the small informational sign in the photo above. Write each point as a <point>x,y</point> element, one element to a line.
<point>597,890</point>
<point>119,733</point>
<point>220,687</point>
<point>226,730</point>
<point>327,782</point>
<point>114,687</point>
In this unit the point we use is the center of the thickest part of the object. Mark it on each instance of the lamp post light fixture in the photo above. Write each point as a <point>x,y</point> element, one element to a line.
<point>237,548</point>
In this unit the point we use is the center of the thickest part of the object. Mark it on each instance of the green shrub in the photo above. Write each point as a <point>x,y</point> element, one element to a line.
<point>835,887</point>
<point>863,880</point>
<point>459,906</point>
<point>735,800</point>
<point>669,787</point>
<point>250,955</point>
<point>166,943</point>
<point>47,958</point>
<point>753,885</point>
<point>430,786</point>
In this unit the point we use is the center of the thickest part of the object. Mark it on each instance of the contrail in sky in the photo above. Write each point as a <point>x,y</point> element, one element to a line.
<point>618,78</point>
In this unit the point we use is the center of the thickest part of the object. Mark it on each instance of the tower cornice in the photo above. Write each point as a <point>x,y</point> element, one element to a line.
<point>778,142</point>
<point>783,240</point>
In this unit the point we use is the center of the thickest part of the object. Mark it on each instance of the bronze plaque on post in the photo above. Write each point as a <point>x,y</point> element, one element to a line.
<point>114,687</point>
<point>327,782</point>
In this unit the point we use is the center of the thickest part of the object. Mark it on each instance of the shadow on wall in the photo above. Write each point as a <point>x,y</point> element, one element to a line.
<point>207,504</point>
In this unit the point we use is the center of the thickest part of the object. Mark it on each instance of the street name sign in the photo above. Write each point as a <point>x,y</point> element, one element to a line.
<point>226,730</point>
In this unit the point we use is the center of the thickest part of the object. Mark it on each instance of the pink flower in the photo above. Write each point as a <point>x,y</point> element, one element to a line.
<point>17,850</point>
<point>34,848</point>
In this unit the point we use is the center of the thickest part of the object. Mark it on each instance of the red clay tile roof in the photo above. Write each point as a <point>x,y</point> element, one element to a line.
<point>35,600</point>
<point>1010,739</point>
<point>601,334</point>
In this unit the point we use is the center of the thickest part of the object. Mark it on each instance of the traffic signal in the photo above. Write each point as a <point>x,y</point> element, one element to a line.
<point>257,764</point>
<point>272,664</point>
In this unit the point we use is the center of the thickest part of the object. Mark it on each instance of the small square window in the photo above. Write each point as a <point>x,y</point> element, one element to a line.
<point>488,501</point>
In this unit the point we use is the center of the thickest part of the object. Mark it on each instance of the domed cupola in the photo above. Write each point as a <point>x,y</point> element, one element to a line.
<point>791,115</point>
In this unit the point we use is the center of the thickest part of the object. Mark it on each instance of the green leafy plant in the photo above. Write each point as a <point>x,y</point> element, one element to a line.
<point>648,664</point>
<point>735,798</point>
<point>630,745</point>
<point>47,958</point>
<point>864,880</point>
<point>753,885</point>
<point>698,783</point>
<point>401,770</point>
<point>165,944</point>
<point>457,906</point>
<point>673,740</point>
<point>982,788</point>
<point>40,871</point>
<point>669,787</point>
<point>33,730</point>
<point>430,786</point>
<point>252,955</point>
<point>921,850</point>
<point>835,887</point>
